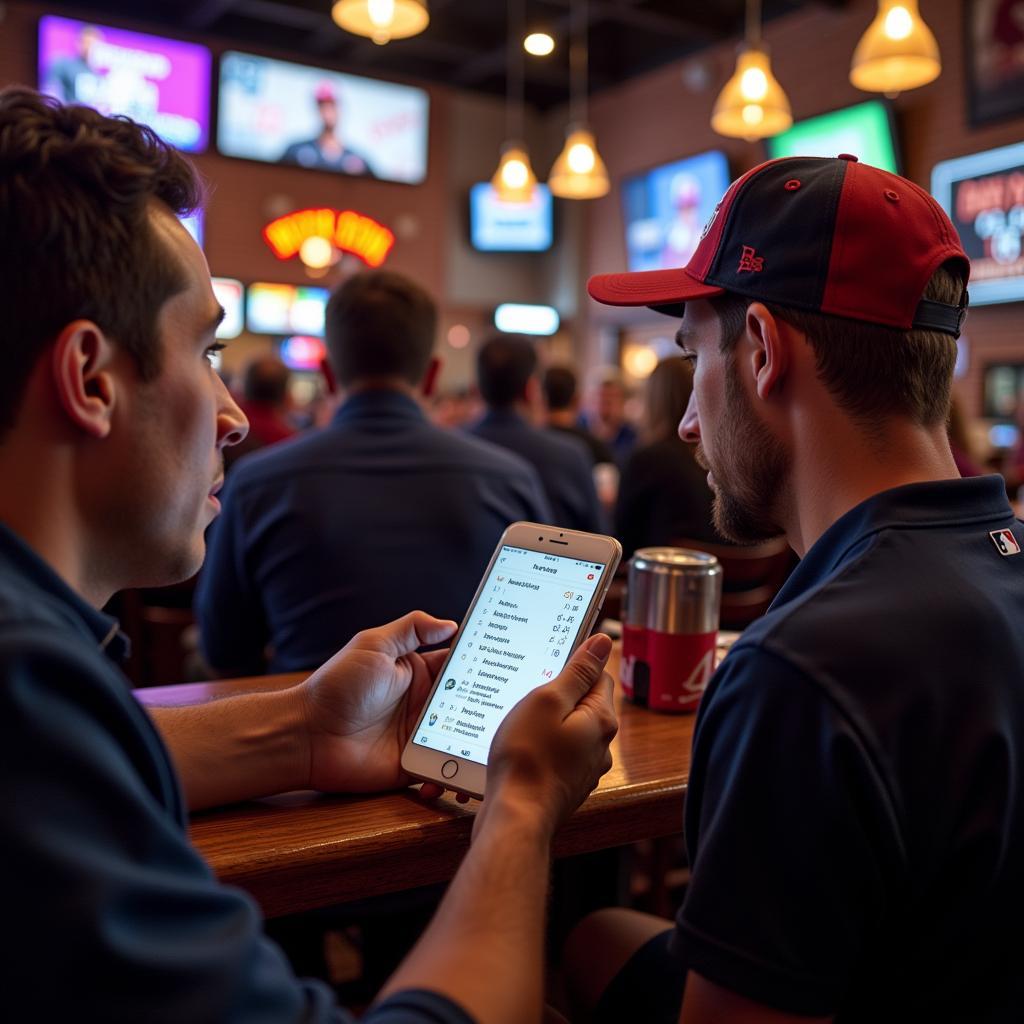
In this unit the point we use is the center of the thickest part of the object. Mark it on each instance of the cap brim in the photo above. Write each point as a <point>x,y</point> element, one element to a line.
<point>665,291</point>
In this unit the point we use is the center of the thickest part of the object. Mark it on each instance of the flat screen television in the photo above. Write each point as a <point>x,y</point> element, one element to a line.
<point>497,226</point>
<point>285,309</point>
<point>984,196</point>
<point>666,208</point>
<point>278,112</point>
<point>302,352</point>
<point>864,130</point>
<point>164,83</point>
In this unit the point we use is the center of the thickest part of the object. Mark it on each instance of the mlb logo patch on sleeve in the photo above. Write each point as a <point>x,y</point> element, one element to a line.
<point>1005,542</point>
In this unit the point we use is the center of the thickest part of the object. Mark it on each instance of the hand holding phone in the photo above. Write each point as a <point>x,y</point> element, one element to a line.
<point>538,600</point>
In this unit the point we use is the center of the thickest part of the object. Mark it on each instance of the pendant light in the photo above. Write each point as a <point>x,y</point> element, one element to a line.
<point>579,171</point>
<point>381,20</point>
<point>752,105</point>
<point>897,52</point>
<point>514,180</point>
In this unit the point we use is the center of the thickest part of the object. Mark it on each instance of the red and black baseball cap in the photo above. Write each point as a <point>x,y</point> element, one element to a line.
<point>828,235</point>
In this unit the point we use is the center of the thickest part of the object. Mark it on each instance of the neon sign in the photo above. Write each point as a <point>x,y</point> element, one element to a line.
<point>344,229</point>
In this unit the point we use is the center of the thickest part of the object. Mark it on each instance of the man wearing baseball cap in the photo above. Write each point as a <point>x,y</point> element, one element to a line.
<point>855,818</point>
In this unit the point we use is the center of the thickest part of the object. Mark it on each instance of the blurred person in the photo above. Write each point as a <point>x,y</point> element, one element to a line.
<point>960,440</point>
<point>382,511</point>
<point>455,409</point>
<point>506,368</point>
<point>326,150</point>
<point>605,415</point>
<point>112,427</point>
<point>561,402</point>
<point>266,404</point>
<point>854,819</point>
<point>74,78</point>
<point>664,494</point>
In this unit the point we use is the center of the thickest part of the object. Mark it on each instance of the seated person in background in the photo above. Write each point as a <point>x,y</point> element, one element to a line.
<point>855,813</point>
<point>605,415</point>
<point>562,407</point>
<point>265,403</point>
<point>379,512</point>
<point>112,428</point>
<point>506,367</point>
<point>664,495</point>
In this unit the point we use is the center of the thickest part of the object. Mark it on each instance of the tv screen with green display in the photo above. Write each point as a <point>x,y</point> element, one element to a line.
<point>865,130</point>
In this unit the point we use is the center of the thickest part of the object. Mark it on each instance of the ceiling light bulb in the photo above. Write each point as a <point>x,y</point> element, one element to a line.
<point>898,23</point>
<point>514,174</point>
<point>581,158</point>
<point>754,84</point>
<point>514,179</point>
<point>578,171</point>
<point>316,252</point>
<point>381,20</point>
<point>752,114</point>
<point>381,12</point>
<point>538,44</point>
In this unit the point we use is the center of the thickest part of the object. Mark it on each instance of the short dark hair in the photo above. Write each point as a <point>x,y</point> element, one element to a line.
<point>504,364</point>
<point>266,380</point>
<point>559,388</point>
<point>75,237</point>
<point>871,370</point>
<point>380,324</point>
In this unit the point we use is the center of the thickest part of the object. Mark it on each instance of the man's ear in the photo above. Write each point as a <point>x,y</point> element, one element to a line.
<point>82,361</point>
<point>768,350</point>
<point>429,383</point>
<point>328,375</point>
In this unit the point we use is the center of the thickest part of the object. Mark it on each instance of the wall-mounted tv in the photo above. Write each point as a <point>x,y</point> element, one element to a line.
<point>286,113</point>
<point>163,83</point>
<point>865,130</point>
<point>231,295</point>
<point>285,309</point>
<point>984,197</point>
<point>302,352</point>
<point>497,226</point>
<point>666,209</point>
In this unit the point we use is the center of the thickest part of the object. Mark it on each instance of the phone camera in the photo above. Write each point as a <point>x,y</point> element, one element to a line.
<point>540,538</point>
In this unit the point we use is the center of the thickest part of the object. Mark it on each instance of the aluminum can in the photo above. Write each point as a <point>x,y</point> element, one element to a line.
<point>670,627</point>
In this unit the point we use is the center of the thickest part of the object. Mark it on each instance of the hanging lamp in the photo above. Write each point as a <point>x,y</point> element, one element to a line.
<point>578,172</point>
<point>514,180</point>
<point>897,52</point>
<point>752,105</point>
<point>381,20</point>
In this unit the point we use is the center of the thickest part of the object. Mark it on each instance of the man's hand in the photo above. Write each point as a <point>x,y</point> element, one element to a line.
<point>362,704</point>
<point>552,748</point>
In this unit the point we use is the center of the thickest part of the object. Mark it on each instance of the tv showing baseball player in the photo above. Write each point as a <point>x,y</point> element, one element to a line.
<point>285,113</point>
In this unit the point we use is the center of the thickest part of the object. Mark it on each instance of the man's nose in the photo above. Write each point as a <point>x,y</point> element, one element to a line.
<point>689,425</point>
<point>232,424</point>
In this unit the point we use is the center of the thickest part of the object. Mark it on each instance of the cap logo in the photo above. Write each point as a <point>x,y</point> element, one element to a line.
<point>1005,542</point>
<point>749,260</point>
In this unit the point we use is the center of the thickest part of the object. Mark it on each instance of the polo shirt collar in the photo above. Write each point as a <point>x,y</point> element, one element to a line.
<point>935,503</point>
<point>378,402</point>
<point>19,559</point>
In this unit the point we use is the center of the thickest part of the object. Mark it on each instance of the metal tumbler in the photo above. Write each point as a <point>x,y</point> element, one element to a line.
<point>670,627</point>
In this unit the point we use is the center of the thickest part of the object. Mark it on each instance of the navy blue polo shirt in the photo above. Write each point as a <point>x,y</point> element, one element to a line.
<point>352,526</point>
<point>110,912</point>
<point>563,463</point>
<point>855,816</point>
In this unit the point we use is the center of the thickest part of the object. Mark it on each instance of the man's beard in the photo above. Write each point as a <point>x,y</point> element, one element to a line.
<point>747,492</point>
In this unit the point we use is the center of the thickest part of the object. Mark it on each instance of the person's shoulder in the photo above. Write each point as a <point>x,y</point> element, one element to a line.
<point>482,455</point>
<point>566,448</point>
<point>283,459</point>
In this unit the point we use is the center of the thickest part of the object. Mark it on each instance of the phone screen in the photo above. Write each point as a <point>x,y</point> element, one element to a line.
<point>517,637</point>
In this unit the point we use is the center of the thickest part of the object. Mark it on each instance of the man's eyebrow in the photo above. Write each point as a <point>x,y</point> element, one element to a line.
<point>216,320</point>
<point>683,336</point>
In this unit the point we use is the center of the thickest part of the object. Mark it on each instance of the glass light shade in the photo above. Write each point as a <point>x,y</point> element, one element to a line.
<point>897,52</point>
<point>514,179</point>
<point>752,105</point>
<point>579,171</point>
<point>381,20</point>
<point>538,44</point>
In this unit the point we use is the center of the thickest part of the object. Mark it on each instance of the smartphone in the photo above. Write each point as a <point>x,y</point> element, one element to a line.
<point>538,601</point>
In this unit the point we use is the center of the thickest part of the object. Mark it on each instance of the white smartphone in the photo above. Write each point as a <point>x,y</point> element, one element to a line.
<point>537,602</point>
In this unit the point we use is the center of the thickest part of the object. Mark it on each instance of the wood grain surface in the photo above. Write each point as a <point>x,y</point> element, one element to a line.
<point>299,851</point>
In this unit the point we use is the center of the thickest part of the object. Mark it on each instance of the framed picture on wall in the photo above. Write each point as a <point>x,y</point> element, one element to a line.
<point>994,59</point>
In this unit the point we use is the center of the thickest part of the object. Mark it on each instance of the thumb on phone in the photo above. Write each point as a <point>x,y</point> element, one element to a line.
<point>582,671</point>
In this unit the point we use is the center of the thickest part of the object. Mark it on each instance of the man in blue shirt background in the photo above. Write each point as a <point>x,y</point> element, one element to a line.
<point>379,512</point>
<point>113,425</point>
<point>506,370</point>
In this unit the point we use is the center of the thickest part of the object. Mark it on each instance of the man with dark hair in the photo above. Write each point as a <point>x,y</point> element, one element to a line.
<point>854,818</point>
<point>562,409</point>
<point>114,424</point>
<point>379,512</point>
<point>506,369</point>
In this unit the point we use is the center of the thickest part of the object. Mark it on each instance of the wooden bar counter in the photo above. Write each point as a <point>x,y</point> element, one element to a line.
<point>300,851</point>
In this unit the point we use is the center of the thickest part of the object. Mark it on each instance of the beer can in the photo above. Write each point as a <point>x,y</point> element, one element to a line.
<point>670,627</point>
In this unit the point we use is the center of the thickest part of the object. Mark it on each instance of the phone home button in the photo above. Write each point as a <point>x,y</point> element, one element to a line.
<point>449,768</point>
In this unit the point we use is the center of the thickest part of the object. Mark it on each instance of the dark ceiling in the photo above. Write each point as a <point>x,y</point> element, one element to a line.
<point>465,43</point>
